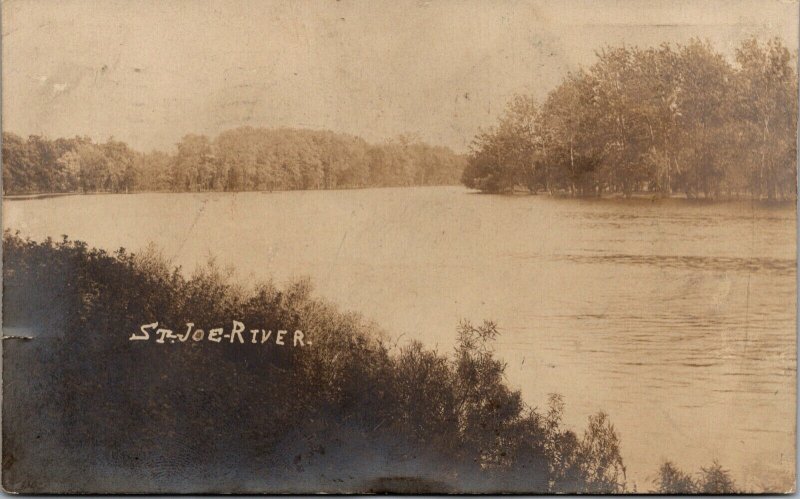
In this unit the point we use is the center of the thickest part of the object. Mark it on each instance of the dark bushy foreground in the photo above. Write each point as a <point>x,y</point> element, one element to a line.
<point>97,412</point>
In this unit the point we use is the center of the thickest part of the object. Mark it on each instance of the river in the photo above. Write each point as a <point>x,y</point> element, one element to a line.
<point>676,318</point>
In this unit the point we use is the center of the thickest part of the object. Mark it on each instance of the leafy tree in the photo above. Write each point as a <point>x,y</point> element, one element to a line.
<point>715,480</point>
<point>767,109</point>
<point>504,157</point>
<point>671,480</point>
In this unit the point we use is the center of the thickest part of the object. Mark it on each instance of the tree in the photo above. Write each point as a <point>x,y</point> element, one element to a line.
<point>504,157</point>
<point>704,102</point>
<point>16,165</point>
<point>767,108</point>
<point>715,480</point>
<point>671,480</point>
<point>121,176</point>
<point>569,156</point>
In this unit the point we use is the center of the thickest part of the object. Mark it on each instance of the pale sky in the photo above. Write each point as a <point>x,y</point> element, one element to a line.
<point>149,72</point>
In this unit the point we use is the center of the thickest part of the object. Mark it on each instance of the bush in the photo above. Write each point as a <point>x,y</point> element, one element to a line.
<point>711,480</point>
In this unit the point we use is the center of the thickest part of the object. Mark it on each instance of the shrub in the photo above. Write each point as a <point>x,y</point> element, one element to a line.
<point>711,480</point>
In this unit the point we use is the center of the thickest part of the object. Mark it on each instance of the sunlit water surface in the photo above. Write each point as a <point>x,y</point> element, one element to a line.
<point>676,318</point>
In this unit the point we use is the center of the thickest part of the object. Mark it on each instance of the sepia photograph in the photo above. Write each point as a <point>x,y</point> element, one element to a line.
<point>403,247</point>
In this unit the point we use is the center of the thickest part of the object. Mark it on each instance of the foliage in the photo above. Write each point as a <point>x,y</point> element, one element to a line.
<point>241,159</point>
<point>711,480</point>
<point>716,480</point>
<point>659,120</point>
<point>671,480</point>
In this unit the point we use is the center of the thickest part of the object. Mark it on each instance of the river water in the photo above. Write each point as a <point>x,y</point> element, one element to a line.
<point>676,318</point>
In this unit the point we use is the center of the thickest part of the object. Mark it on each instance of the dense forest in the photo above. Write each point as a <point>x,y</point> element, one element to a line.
<point>668,119</point>
<point>240,159</point>
<point>338,415</point>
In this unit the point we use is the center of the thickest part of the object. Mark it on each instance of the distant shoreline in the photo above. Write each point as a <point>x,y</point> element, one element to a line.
<point>45,195</point>
<point>635,197</point>
<point>641,196</point>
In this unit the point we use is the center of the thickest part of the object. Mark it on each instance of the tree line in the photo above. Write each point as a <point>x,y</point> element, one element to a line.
<point>244,158</point>
<point>664,120</point>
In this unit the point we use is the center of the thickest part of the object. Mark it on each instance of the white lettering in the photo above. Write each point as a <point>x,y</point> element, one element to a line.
<point>238,327</point>
<point>165,333</point>
<point>145,333</point>
<point>189,326</point>
<point>215,334</point>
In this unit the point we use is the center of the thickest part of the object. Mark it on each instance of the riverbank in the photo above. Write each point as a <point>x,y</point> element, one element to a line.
<point>46,195</point>
<point>636,198</point>
<point>642,196</point>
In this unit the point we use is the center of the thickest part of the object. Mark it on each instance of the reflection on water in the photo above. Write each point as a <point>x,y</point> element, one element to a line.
<point>676,318</point>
